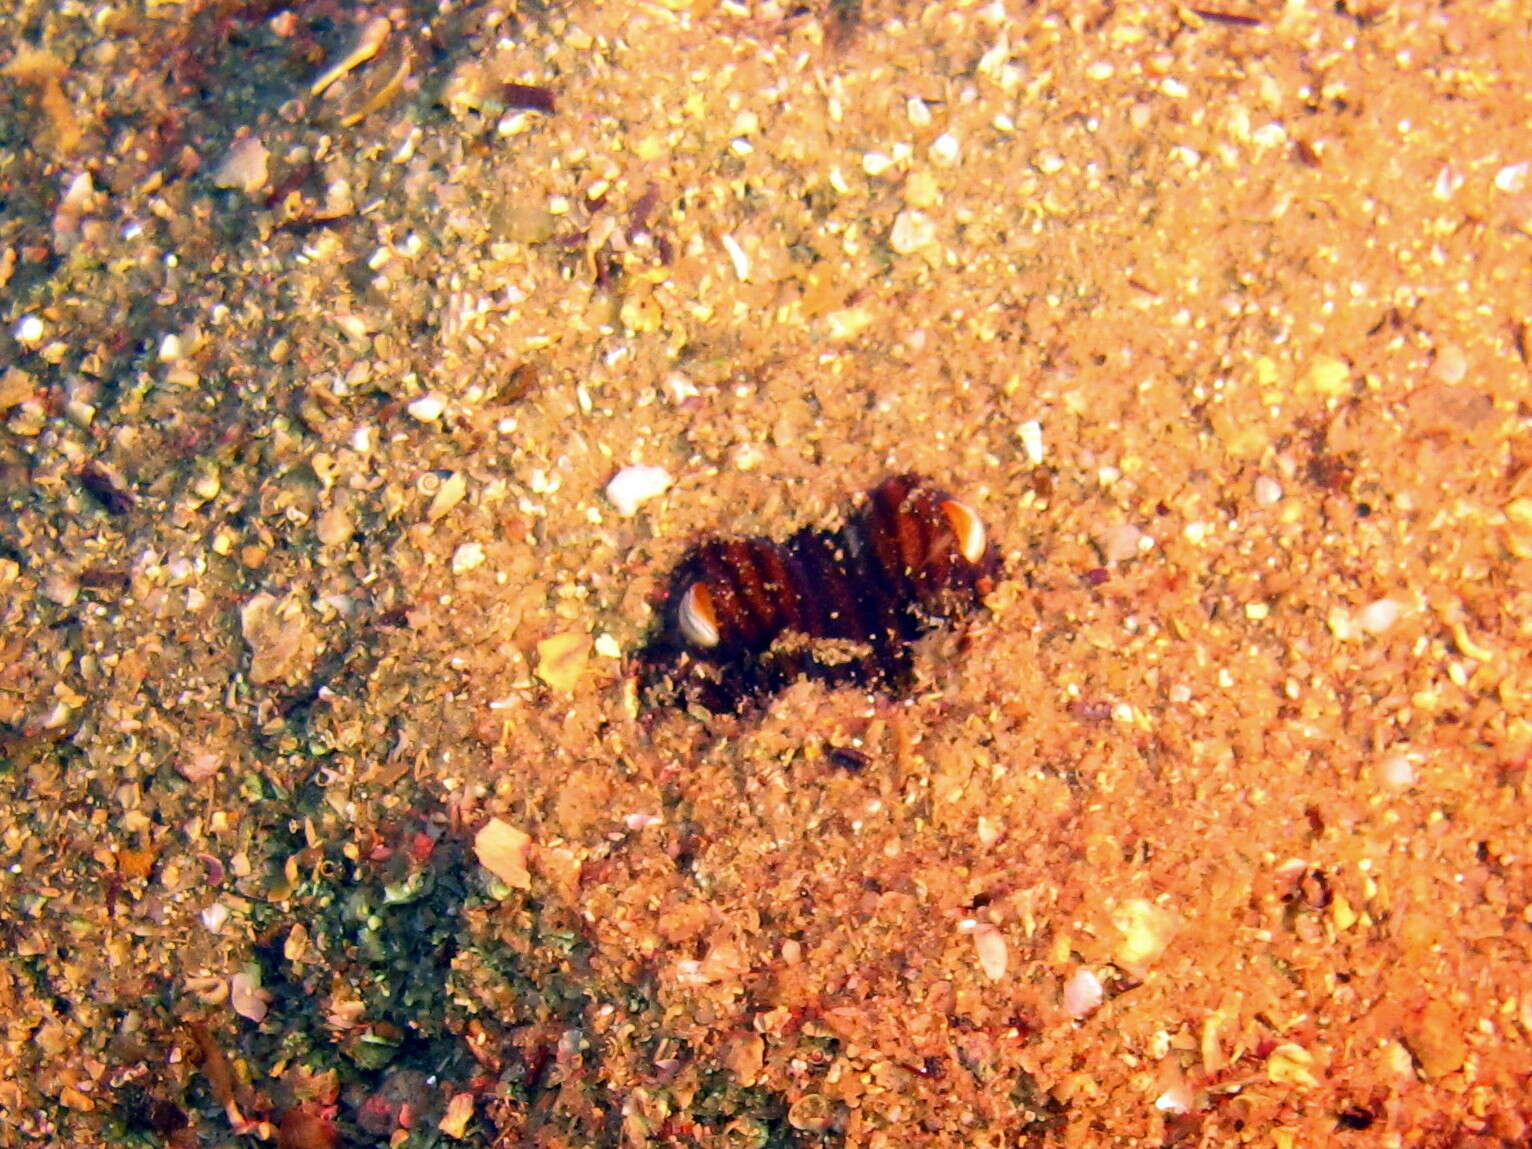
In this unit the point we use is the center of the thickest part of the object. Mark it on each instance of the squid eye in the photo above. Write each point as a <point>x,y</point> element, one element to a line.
<point>967,527</point>
<point>695,617</point>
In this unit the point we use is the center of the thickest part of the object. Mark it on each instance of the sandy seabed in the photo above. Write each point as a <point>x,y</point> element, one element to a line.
<point>331,812</point>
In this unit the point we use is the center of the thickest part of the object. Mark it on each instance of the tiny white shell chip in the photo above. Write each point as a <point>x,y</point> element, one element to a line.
<point>466,557</point>
<point>243,166</point>
<point>428,408</point>
<point>214,916</point>
<point>989,944</point>
<point>678,388</point>
<point>247,997</point>
<point>1082,994</point>
<point>944,149</point>
<point>1119,543</point>
<point>737,257</point>
<point>989,831</point>
<point>1031,433</point>
<point>1177,1099</point>
<point>636,484</point>
<point>1513,177</point>
<point>1377,617</point>
<point>1397,772</point>
<point>912,231</point>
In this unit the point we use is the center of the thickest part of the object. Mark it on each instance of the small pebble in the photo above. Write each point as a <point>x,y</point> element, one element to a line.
<point>1120,543</point>
<point>1146,930</point>
<point>1342,624</point>
<point>467,557</point>
<point>334,527</point>
<point>1031,433</point>
<point>214,916</point>
<point>989,944</point>
<point>679,389</point>
<point>1328,376</point>
<point>944,150</point>
<point>503,850</point>
<point>61,589</point>
<point>247,997</point>
<point>428,408</point>
<point>738,258</point>
<point>1268,492</point>
<point>454,1122</point>
<point>199,766</point>
<point>447,495</point>
<point>636,484</point>
<point>1082,994</point>
<point>1435,1038</point>
<point>989,831</point>
<point>1290,1064</point>
<point>1451,364</point>
<point>561,659</point>
<point>207,484</point>
<point>912,231</point>
<point>1449,181</point>
<point>1513,177</point>
<point>244,166</point>
<point>1397,772</point>
<point>1377,617</point>
<point>1177,1099</point>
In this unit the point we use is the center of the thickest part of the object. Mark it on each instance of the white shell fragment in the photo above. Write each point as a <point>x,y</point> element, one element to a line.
<point>912,231</point>
<point>467,557</point>
<point>1397,772</point>
<point>1379,616</point>
<point>694,615</point>
<point>243,166</point>
<point>737,257</point>
<point>636,484</point>
<point>989,944</point>
<point>428,408</point>
<point>1031,433</point>
<point>214,917</point>
<point>247,997</point>
<point>1082,994</point>
<point>503,850</point>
